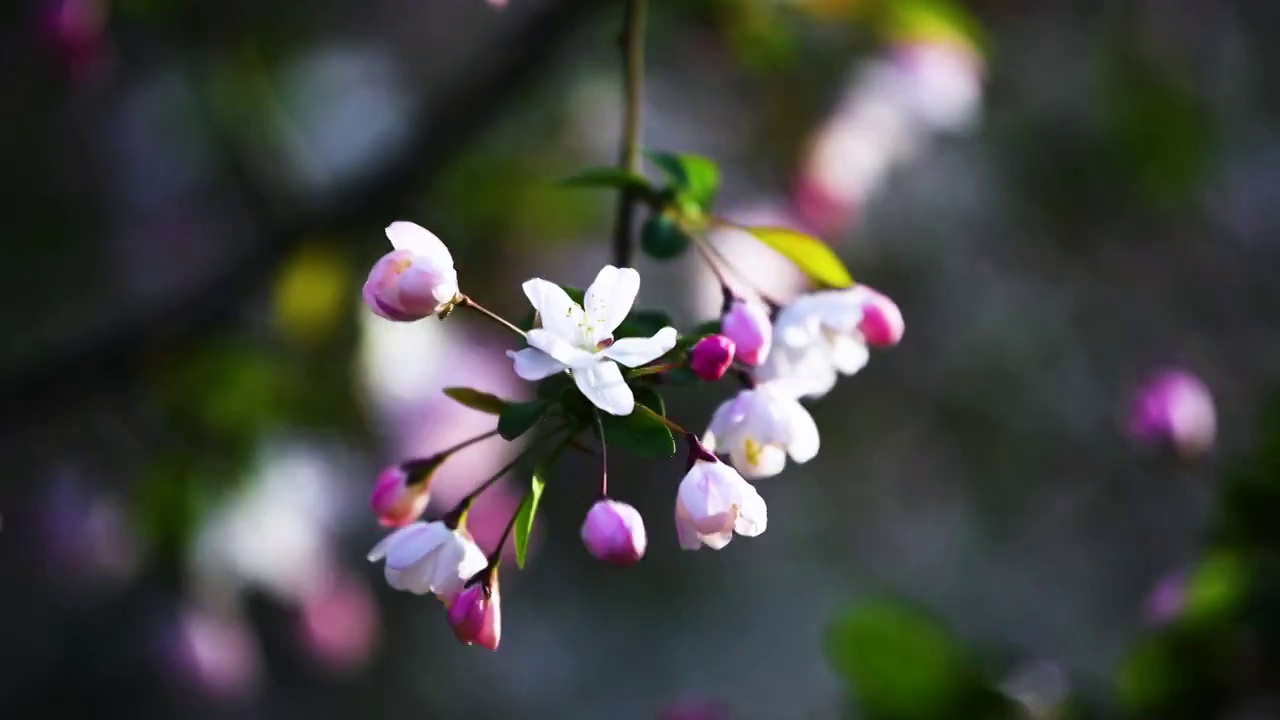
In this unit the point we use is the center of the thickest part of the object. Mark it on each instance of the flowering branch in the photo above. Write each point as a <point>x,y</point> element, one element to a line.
<point>629,153</point>
<point>466,301</point>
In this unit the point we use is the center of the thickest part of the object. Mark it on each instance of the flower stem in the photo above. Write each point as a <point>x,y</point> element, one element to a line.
<point>466,301</point>
<point>495,556</point>
<point>629,152</point>
<point>468,442</point>
<point>709,250</point>
<point>465,502</point>
<point>653,369</point>
<point>604,457</point>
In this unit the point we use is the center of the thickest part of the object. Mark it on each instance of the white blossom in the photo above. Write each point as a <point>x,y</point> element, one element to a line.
<point>428,557</point>
<point>760,427</point>
<point>713,502</point>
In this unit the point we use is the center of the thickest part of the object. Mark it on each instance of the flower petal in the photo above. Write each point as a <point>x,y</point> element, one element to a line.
<point>419,241</point>
<point>604,386</point>
<point>753,514</point>
<point>724,422</point>
<point>809,371</point>
<point>425,539</point>
<point>755,460</point>
<point>379,551</point>
<point>685,531</point>
<point>716,540</point>
<point>633,352</point>
<point>610,298</point>
<point>532,364</point>
<point>849,353</point>
<point>802,432</point>
<point>560,349</point>
<point>560,314</point>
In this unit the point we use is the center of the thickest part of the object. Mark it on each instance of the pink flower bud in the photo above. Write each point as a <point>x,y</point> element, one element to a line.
<point>711,357</point>
<point>614,532</point>
<point>476,615</point>
<point>882,324</point>
<point>395,501</point>
<point>748,325</point>
<point>414,280</point>
<point>1174,407</point>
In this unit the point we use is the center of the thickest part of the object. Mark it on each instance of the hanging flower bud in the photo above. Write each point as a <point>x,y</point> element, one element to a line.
<point>882,325</point>
<point>710,357</point>
<point>414,280</point>
<point>748,325</point>
<point>614,532</point>
<point>713,502</point>
<point>476,615</point>
<point>1176,408</point>
<point>396,500</point>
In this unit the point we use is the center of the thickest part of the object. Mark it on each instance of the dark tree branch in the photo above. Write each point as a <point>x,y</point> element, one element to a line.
<point>629,153</point>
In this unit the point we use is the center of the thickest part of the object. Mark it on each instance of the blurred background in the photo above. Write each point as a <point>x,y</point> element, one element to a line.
<point>1064,198</point>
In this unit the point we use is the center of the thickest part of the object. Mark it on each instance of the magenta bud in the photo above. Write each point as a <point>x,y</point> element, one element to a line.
<point>710,357</point>
<point>748,325</point>
<point>395,501</point>
<point>1174,407</point>
<point>476,614</point>
<point>882,325</point>
<point>614,532</point>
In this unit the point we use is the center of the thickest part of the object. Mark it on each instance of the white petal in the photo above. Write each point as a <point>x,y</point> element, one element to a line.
<point>419,241</point>
<point>415,578</point>
<point>532,364</point>
<point>560,349</point>
<point>610,298</point>
<point>638,351</point>
<point>473,560</point>
<point>709,441</point>
<point>849,353</point>
<point>604,386</point>
<point>717,540</point>
<point>409,548</point>
<point>765,461</point>
<point>685,531</point>
<point>753,514</point>
<point>379,551</point>
<point>807,371</point>
<point>559,313</point>
<point>802,433</point>
<point>725,421</point>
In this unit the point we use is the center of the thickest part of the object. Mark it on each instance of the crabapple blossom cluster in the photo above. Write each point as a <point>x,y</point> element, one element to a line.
<point>598,364</point>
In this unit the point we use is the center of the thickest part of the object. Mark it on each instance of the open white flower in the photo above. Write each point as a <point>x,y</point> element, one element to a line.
<point>428,557</point>
<point>580,339</point>
<point>713,503</point>
<point>816,338</point>
<point>760,427</point>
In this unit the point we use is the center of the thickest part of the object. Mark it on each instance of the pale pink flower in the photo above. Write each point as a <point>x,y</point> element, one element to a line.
<point>614,532</point>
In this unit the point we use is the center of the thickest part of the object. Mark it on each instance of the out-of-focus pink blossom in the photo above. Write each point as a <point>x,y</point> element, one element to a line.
<point>747,324</point>
<point>1167,599</point>
<point>710,357</point>
<point>339,623</point>
<point>476,616</point>
<point>756,266</point>
<point>614,532</point>
<point>395,502</point>
<point>76,31</point>
<point>882,324</point>
<point>1174,407</point>
<point>215,654</point>
<point>941,84</point>
<point>87,536</point>
<point>695,709</point>
<point>1039,687</point>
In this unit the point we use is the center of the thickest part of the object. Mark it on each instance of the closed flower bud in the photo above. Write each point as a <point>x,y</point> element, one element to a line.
<point>882,325</point>
<point>748,325</point>
<point>614,532</point>
<point>476,614</point>
<point>1174,407</point>
<point>395,500</point>
<point>713,502</point>
<point>711,357</point>
<point>414,280</point>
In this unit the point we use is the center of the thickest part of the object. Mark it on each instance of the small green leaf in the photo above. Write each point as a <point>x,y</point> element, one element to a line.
<point>610,177</point>
<point>901,664</point>
<point>642,323</point>
<point>650,398</point>
<point>518,418</point>
<point>808,253</point>
<point>662,239</point>
<point>695,176</point>
<point>528,508</point>
<point>640,432</point>
<point>478,400</point>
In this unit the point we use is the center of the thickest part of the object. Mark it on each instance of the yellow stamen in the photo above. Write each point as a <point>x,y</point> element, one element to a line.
<point>753,449</point>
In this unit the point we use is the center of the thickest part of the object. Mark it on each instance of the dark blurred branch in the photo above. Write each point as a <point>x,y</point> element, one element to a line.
<point>458,115</point>
<point>629,155</point>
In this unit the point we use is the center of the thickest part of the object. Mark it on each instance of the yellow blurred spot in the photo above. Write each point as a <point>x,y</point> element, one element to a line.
<point>752,449</point>
<point>311,293</point>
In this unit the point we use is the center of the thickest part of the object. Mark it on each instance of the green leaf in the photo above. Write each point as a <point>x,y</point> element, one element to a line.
<point>640,432</point>
<point>695,176</point>
<point>642,323</point>
<point>902,665</point>
<point>650,398</point>
<point>662,239</point>
<point>808,253</point>
<point>478,400</point>
<point>528,508</point>
<point>518,418</point>
<point>610,177</point>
